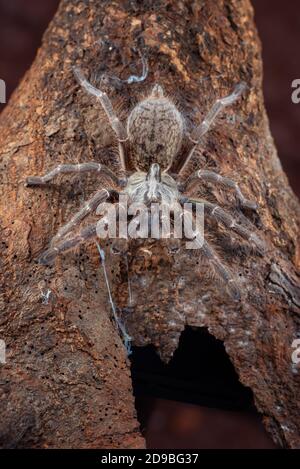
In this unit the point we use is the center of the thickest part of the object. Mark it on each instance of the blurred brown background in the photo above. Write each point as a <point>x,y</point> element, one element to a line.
<point>22,23</point>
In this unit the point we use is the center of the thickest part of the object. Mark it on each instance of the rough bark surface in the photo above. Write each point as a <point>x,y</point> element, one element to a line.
<point>67,380</point>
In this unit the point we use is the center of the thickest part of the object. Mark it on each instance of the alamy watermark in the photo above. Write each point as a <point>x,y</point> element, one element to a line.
<point>2,92</point>
<point>296,93</point>
<point>2,352</point>
<point>296,352</point>
<point>157,221</point>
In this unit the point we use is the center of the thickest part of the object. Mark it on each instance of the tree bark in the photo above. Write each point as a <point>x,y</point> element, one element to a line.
<point>67,382</point>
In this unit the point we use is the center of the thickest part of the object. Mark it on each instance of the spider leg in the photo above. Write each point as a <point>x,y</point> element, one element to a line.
<point>86,233</point>
<point>50,254</point>
<point>227,220</point>
<point>90,206</point>
<point>211,176</point>
<point>199,131</point>
<point>216,264</point>
<point>221,271</point>
<point>72,168</point>
<point>114,121</point>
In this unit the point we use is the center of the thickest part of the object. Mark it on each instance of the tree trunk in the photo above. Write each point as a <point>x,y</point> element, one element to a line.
<point>66,381</point>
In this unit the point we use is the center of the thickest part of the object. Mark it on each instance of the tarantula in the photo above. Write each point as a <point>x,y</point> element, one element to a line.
<point>154,133</point>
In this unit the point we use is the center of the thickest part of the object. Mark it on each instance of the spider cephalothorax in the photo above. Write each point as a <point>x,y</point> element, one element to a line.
<point>150,141</point>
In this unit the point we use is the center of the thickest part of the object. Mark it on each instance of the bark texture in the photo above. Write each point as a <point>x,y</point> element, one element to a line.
<point>67,382</point>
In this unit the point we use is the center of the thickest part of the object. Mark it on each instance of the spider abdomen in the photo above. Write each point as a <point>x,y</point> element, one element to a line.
<point>155,130</point>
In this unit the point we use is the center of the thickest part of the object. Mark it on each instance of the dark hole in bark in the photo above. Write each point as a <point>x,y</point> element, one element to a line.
<point>199,384</point>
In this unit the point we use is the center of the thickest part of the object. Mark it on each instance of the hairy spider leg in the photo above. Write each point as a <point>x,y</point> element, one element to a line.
<point>72,168</point>
<point>218,268</point>
<point>114,121</point>
<point>99,197</point>
<point>88,232</point>
<point>211,176</point>
<point>199,131</point>
<point>50,254</point>
<point>227,220</point>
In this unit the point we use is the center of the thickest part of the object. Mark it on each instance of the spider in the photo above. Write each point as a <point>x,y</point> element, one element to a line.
<point>150,142</point>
